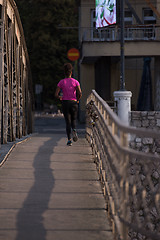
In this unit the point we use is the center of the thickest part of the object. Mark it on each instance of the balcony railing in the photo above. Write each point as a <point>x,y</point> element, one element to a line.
<point>113,34</point>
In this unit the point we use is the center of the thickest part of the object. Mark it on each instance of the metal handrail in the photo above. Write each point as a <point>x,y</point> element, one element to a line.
<point>128,176</point>
<point>131,33</point>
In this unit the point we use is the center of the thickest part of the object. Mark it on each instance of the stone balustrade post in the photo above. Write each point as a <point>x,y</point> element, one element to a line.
<point>123,99</point>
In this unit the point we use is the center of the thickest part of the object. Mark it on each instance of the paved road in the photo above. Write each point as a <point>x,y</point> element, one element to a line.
<point>49,191</point>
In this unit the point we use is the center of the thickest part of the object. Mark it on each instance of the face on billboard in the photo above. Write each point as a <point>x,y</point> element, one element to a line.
<point>105,13</point>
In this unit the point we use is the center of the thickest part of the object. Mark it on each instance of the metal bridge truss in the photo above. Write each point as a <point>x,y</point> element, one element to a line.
<point>16,98</point>
<point>130,179</point>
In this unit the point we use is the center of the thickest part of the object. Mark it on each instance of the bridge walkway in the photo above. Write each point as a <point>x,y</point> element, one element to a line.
<point>49,191</point>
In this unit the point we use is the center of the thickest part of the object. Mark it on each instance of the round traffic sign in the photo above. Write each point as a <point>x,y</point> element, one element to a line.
<point>73,54</point>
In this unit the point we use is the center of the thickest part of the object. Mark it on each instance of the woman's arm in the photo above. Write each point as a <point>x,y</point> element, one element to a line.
<point>57,93</point>
<point>79,93</point>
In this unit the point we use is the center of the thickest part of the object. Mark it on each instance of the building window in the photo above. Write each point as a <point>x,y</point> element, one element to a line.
<point>93,18</point>
<point>128,19</point>
<point>94,31</point>
<point>149,16</point>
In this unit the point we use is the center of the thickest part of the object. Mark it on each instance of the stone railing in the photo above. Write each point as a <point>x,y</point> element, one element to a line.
<point>130,178</point>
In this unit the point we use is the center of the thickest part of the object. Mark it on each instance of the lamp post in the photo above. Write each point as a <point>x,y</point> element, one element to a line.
<point>122,61</point>
<point>122,97</point>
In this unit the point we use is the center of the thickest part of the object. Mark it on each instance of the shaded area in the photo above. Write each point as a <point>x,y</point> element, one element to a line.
<point>50,124</point>
<point>30,217</point>
<point>30,220</point>
<point>145,93</point>
<point>30,223</point>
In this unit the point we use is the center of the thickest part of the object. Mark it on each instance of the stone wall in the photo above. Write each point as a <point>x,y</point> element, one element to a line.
<point>149,120</point>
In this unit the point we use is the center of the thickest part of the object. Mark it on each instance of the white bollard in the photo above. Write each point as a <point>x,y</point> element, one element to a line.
<point>123,99</point>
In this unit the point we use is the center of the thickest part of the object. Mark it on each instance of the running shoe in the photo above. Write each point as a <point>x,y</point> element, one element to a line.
<point>75,136</point>
<point>69,143</point>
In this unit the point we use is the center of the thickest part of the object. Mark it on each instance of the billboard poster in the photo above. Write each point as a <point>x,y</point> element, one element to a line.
<point>105,13</point>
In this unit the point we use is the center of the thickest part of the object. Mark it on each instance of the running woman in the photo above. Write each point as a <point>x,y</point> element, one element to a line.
<point>72,93</point>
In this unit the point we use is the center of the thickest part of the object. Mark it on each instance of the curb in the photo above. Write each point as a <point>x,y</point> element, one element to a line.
<point>12,147</point>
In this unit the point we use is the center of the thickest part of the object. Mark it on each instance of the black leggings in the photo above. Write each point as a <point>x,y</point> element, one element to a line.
<point>70,110</point>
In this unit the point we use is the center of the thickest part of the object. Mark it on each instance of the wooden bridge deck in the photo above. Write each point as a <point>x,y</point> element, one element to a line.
<point>49,191</point>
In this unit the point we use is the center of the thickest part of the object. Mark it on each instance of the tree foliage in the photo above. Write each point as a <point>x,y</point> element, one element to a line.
<point>48,39</point>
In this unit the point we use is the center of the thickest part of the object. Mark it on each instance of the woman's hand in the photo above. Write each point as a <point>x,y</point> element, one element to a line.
<point>57,93</point>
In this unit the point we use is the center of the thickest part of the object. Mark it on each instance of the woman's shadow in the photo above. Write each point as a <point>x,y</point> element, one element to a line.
<point>30,224</point>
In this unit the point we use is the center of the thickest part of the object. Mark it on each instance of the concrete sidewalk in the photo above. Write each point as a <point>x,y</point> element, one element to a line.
<point>49,191</point>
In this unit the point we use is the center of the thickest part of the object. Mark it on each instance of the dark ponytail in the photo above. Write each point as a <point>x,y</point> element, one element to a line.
<point>67,69</point>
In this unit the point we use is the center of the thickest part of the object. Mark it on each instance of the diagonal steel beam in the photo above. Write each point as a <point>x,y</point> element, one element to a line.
<point>133,12</point>
<point>153,8</point>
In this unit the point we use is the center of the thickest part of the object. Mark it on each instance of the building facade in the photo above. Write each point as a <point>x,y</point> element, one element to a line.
<point>100,52</point>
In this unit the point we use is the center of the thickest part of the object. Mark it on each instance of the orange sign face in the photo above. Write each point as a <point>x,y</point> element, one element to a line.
<point>73,54</point>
